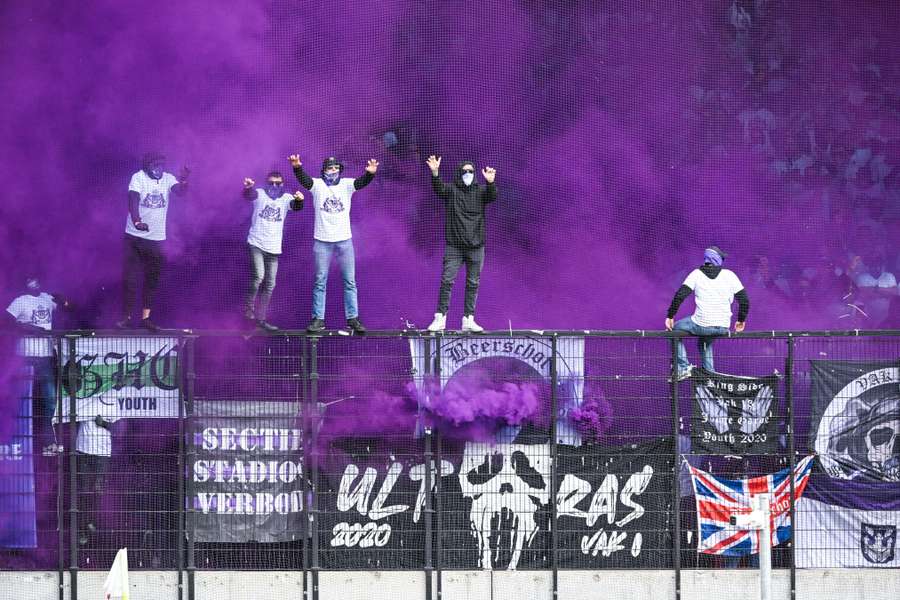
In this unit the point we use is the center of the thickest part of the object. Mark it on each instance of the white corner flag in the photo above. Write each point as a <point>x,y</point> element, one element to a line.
<point>116,585</point>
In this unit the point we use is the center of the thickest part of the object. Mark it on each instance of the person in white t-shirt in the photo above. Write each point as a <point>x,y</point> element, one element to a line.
<point>149,192</point>
<point>32,313</point>
<point>332,235</point>
<point>93,452</point>
<point>714,289</point>
<point>270,206</point>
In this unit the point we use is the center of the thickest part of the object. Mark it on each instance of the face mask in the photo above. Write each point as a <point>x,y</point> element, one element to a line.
<point>33,285</point>
<point>468,178</point>
<point>331,178</point>
<point>274,190</point>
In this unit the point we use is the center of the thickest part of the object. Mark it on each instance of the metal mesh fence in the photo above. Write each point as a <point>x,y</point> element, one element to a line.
<point>520,451</point>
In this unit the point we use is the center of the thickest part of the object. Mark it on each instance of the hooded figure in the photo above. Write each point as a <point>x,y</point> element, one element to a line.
<point>464,202</point>
<point>714,288</point>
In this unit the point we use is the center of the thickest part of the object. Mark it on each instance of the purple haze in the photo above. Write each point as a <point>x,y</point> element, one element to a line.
<point>618,137</point>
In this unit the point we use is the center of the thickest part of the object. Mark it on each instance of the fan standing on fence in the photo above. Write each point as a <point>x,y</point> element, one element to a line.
<point>332,234</point>
<point>270,206</point>
<point>145,231</point>
<point>465,201</point>
<point>714,288</point>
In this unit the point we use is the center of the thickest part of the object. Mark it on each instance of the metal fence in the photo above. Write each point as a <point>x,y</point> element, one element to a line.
<point>404,451</point>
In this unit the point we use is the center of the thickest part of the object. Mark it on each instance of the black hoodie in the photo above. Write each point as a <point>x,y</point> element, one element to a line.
<point>464,204</point>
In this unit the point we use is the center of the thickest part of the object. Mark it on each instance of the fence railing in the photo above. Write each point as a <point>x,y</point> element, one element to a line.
<point>546,450</point>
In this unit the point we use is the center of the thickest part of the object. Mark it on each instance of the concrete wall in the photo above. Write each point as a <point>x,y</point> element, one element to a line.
<point>812,584</point>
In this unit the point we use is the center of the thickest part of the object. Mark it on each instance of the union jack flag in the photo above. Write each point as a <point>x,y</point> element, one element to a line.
<point>719,499</point>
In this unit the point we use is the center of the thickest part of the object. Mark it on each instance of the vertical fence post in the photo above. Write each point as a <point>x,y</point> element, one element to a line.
<point>74,379</point>
<point>789,397</point>
<point>306,414</point>
<point>676,488</point>
<point>439,548</point>
<point>429,535</point>
<point>60,472</point>
<point>554,416</point>
<point>190,521</point>
<point>314,461</point>
<point>182,472</point>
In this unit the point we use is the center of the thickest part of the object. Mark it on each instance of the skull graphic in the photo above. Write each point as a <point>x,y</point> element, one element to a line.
<point>508,484</point>
<point>881,445</point>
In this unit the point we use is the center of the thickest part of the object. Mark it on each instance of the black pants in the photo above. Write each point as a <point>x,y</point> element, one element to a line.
<point>453,259</point>
<point>91,486</point>
<point>141,257</point>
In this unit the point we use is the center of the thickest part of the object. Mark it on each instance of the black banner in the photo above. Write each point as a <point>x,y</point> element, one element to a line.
<point>734,415</point>
<point>493,505</point>
<point>855,426</point>
<point>245,476</point>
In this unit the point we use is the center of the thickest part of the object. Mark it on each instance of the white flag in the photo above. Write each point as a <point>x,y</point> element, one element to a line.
<point>835,536</point>
<point>116,585</point>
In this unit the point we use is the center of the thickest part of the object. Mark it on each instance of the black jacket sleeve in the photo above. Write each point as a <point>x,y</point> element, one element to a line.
<point>303,177</point>
<point>490,193</point>
<point>682,293</point>
<point>743,305</point>
<point>134,202</point>
<point>442,190</point>
<point>363,180</point>
<point>250,193</point>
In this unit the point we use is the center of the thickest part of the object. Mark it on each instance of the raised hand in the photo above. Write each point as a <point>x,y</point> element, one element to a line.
<point>298,196</point>
<point>434,163</point>
<point>372,166</point>
<point>295,160</point>
<point>489,173</point>
<point>184,174</point>
<point>248,183</point>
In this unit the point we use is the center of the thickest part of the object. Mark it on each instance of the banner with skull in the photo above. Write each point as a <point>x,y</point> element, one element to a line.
<point>855,425</point>
<point>734,415</point>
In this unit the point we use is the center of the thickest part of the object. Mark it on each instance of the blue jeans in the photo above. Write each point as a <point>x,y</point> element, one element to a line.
<point>263,271</point>
<point>704,342</point>
<point>347,263</point>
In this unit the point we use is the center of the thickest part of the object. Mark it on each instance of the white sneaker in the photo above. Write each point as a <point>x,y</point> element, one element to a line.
<point>439,323</point>
<point>469,325</point>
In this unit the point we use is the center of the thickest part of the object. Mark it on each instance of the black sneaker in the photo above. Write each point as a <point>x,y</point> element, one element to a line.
<point>149,325</point>
<point>356,326</point>
<point>124,323</point>
<point>266,326</point>
<point>316,325</point>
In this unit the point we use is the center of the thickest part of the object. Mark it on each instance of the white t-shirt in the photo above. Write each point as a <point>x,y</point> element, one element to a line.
<point>92,439</point>
<point>713,297</point>
<point>332,203</point>
<point>267,225</point>
<point>153,206</point>
<point>37,311</point>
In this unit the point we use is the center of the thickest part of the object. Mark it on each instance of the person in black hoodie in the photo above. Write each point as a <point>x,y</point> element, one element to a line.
<point>464,232</point>
<point>714,288</point>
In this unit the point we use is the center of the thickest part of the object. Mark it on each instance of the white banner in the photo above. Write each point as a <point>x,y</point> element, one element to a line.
<point>121,378</point>
<point>831,536</point>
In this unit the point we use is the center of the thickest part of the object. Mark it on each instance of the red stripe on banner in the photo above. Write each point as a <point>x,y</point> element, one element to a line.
<point>725,543</point>
<point>712,484</point>
<point>714,512</point>
<point>758,485</point>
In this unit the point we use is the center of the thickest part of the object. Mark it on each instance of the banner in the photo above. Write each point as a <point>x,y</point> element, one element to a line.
<point>121,378</point>
<point>855,426</point>
<point>830,536</point>
<point>493,502</point>
<point>457,356</point>
<point>245,477</point>
<point>734,415</point>
<point>18,519</point>
<point>614,506</point>
<point>719,499</point>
